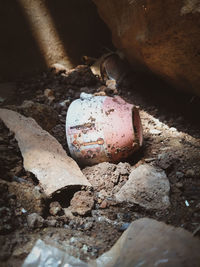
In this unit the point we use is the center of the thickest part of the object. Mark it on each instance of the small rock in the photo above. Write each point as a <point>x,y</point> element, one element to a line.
<point>64,103</point>
<point>179,185</point>
<point>103,205</point>
<point>34,220</point>
<point>165,160</point>
<point>147,186</point>
<point>148,160</point>
<point>68,213</point>
<point>55,208</point>
<point>198,206</point>
<point>82,202</point>
<point>102,194</point>
<point>190,173</point>
<point>84,248</point>
<point>155,132</point>
<point>179,175</point>
<point>88,226</point>
<point>49,95</point>
<point>51,223</point>
<point>124,227</point>
<point>58,68</point>
<point>173,129</point>
<point>17,170</point>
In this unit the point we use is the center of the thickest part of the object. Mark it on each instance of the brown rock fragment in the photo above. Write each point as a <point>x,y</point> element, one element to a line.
<point>82,203</point>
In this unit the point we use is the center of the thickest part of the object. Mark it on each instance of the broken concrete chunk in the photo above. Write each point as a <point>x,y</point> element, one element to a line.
<point>148,187</point>
<point>105,177</point>
<point>42,154</point>
<point>148,242</point>
<point>82,203</point>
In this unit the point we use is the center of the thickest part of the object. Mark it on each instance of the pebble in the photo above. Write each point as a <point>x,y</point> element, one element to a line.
<point>84,248</point>
<point>179,175</point>
<point>124,227</point>
<point>55,208</point>
<point>179,185</point>
<point>190,173</point>
<point>103,205</point>
<point>34,220</point>
<point>155,132</point>
<point>148,160</point>
<point>51,223</point>
<point>68,213</point>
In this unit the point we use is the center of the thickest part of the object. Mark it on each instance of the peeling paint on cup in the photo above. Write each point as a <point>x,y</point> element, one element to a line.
<point>102,128</point>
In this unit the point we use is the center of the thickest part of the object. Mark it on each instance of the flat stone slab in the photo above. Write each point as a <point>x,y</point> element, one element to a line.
<point>148,242</point>
<point>43,155</point>
<point>148,187</point>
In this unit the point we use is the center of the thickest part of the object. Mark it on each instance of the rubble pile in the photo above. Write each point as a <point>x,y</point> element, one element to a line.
<point>46,195</point>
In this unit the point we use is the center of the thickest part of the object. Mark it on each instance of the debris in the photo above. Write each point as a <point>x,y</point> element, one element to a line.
<point>114,67</point>
<point>148,187</point>
<point>179,185</point>
<point>103,205</point>
<point>107,178</point>
<point>124,227</point>
<point>55,208</point>
<point>196,231</point>
<point>64,103</point>
<point>49,95</point>
<point>112,85</point>
<point>187,203</point>
<point>166,160</point>
<point>148,160</point>
<point>34,220</point>
<point>30,196</point>
<point>44,115</point>
<point>23,210</point>
<point>58,68</point>
<point>43,255</point>
<point>42,154</point>
<point>102,128</point>
<point>51,223</point>
<point>68,213</point>
<point>190,173</point>
<point>146,242</point>
<point>80,76</point>
<point>155,132</point>
<point>82,202</point>
<point>179,175</point>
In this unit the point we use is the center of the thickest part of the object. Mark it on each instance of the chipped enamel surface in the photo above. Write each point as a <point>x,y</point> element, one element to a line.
<point>102,128</point>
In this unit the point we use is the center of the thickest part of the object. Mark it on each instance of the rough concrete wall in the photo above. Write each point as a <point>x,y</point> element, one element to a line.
<point>38,33</point>
<point>163,36</point>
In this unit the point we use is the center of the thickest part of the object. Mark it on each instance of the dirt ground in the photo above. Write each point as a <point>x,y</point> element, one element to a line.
<point>170,122</point>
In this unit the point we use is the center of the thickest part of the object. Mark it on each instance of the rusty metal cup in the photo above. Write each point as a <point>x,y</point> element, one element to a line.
<point>102,128</point>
